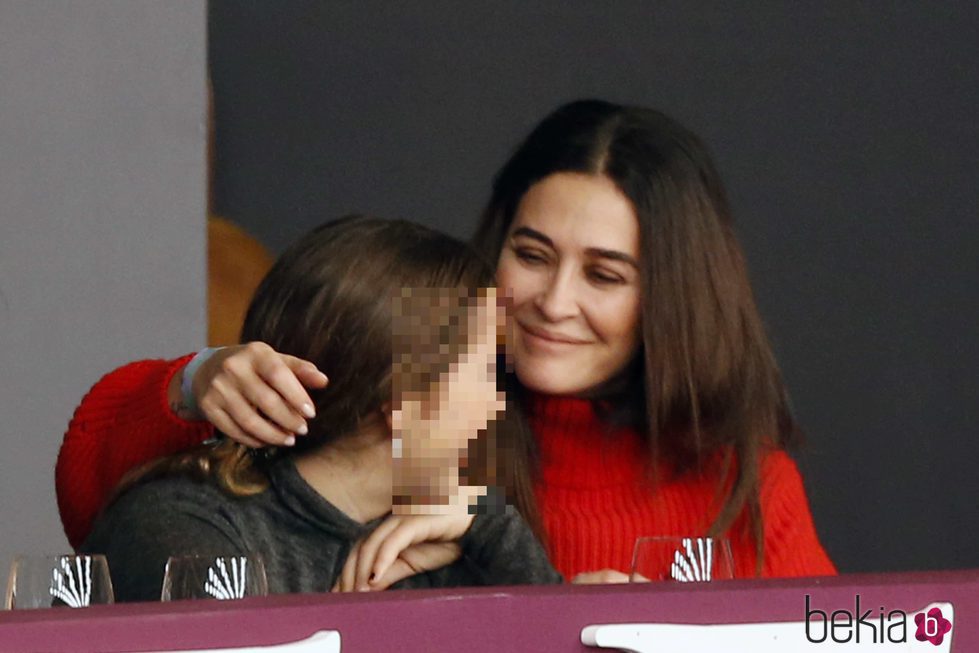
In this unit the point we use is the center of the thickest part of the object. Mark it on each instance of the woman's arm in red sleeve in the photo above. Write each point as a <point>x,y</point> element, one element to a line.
<point>792,547</point>
<point>124,421</point>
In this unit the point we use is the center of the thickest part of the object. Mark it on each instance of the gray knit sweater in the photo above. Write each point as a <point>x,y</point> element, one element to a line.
<point>303,538</point>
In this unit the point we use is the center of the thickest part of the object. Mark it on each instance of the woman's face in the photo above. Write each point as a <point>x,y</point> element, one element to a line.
<point>570,262</point>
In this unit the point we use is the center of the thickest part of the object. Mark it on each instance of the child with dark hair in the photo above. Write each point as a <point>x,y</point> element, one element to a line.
<point>309,511</point>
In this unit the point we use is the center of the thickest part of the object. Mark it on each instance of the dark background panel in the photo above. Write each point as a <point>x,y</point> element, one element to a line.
<point>846,132</point>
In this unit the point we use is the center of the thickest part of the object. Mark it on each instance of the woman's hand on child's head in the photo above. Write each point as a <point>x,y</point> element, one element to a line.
<point>402,546</point>
<point>255,395</point>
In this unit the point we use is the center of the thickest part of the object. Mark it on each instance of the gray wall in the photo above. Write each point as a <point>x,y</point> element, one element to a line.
<point>847,133</point>
<point>102,194</point>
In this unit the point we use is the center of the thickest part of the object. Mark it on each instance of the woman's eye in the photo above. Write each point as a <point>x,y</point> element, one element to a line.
<point>530,256</point>
<point>601,277</point>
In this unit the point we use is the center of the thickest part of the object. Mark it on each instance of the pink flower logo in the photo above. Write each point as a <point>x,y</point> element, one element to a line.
<point>932,627</point>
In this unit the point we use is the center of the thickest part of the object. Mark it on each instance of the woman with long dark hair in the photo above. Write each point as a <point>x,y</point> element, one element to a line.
<point>641,363</point>
<point>305,509</point>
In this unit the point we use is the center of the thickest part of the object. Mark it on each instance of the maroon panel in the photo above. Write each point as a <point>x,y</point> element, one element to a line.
<point>484,619</point>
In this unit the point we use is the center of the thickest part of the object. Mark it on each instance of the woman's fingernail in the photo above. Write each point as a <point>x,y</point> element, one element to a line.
<point>303,429</point>
<point>290,440</point>
<point>309,411</point>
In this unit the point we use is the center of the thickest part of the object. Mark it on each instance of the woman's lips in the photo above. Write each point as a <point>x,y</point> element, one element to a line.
<point>543,338</point>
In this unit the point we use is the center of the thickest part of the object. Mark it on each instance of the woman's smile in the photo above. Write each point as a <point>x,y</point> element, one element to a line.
<point>539,337</point>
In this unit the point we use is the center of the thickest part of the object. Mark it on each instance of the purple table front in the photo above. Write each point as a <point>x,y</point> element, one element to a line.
<point>485,619</point>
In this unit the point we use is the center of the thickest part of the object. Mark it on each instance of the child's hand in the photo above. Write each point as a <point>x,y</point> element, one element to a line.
<point>402,546</point>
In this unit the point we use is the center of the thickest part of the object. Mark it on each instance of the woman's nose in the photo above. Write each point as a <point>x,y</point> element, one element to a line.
<point>556,300</point>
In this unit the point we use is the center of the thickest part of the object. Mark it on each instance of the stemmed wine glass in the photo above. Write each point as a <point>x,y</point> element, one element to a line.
<point>214,577</point>
<point>682,559</point>
<point>74,581</point>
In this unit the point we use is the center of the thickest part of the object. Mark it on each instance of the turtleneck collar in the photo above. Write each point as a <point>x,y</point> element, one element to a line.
<point>306,503</point>
<point>578,449</point>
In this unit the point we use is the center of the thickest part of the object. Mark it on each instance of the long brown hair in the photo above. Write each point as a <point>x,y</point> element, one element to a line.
<point>328,300</point>
<point>705,383</point>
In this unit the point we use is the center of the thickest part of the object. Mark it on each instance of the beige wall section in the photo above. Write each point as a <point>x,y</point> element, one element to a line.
<point>102,214</point>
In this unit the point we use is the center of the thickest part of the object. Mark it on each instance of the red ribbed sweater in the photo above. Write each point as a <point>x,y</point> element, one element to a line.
<point>594,492</point>
<point>596,498</point>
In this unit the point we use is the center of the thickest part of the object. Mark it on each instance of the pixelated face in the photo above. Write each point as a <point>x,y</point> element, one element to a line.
<point>570,263</point>
<point>436,417</point>
<point>468,394</point>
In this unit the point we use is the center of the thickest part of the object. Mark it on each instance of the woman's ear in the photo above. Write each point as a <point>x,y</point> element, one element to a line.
<point>388,415</point>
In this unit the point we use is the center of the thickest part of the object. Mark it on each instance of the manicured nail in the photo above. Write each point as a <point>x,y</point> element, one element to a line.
<point>312,369</point>
<point>290,440</point>
<point>303,429</point>
<point>309,411</point>
<point>363,588</point>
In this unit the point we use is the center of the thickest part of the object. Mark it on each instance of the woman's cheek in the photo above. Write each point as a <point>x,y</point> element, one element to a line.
<point>618,325</point>
<point>508,281</point>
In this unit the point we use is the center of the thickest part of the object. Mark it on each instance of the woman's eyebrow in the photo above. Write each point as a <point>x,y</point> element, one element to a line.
<point>533,233</point>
